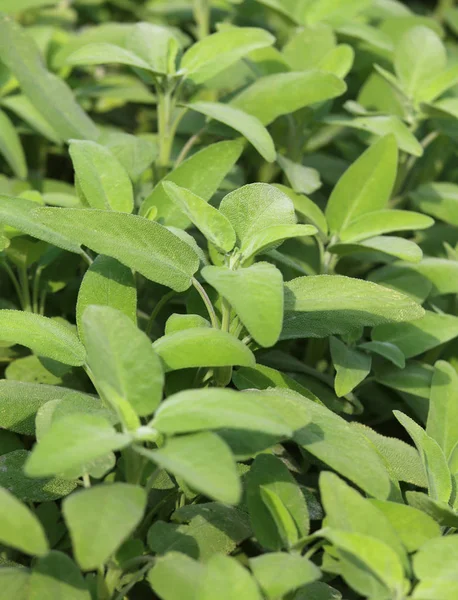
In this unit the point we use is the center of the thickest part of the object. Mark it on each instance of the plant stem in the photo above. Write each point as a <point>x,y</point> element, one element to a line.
<point>86,480</point>
<point>24,281</point>
<point>14,281</point>
<point>138,577</point>
<point>202,17</point>
<point>207,302</point>
<point>226,315</point>
<point>188,146</point>
<point>156,310</point>
<point>164,109</point>
<point>36,290</point>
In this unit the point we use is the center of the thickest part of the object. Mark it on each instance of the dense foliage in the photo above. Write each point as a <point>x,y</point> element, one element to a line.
<point>228,300</point>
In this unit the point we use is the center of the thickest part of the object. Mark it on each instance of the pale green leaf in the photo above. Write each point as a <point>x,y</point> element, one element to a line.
<point>177,577</point>
<point>441,512</point>
<point>122,360</point>
<point>434,461</point>
<point>250,127</point>
<point>71,442</point>
<point>283,93</point>
<point>338,61</point>
<point>387,350</point>
<point>21,401</point>
<point>271,237</point>
<point>281,526</point>
<point>18,213</point>
<point>279,573</point>
<point>442,423</point>
<point>217,52</point>
<point>419,56</point>
<point>11,147</point>
<point>23,107</point>
<point>202,347</point>
<point>365,186</point>
<point>303,180</point>
<point>156,45</point>
<point>439,199</point>
<point>436,559</point>
<point>101,177</point>
<point>384,221</point>
<point>204,462</point>
<point>413,526</point>
<point>214,225</point>
<point>136,242</point>
<point>308,46</point>
<point>227,579</point>
<point>44,336</point>
<point>49,94</point>
<point>351,365</point>
<point>388,245</point>
<point>19,527</point>
<point>194,410</point>
<point>306,208</point>
<point>104,53</point>
<point>202,174</point>
<point>100,519</point>
<point>419,336</point>
<point>256,295</point>
<point>14,583</point>
<point>320,305</point>
<point>56,576</point>
<point>177,322</point>
<point>107,282</point>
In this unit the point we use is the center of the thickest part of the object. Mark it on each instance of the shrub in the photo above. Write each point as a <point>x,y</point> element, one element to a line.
<point>228,321</point>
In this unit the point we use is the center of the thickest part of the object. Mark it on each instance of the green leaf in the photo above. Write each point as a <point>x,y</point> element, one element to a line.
<point>11,147</point>
<point>107,282</point>
<point>413,526</point>
<point>347,510</point>
<point>333,441</point>
<point>388,245</point>
<point>138,243</point>
<point>14,583</point>
<point>321,305</point>
<point>302,179</point>
<point>306,208</point>
<point>20,402</point>
<point>202,174</point>
<point>158,46</point>
<point>194,410</point>
<point>18,213</point>
<point>56,576</point>
<point>434,462</point>
<point>202,347</point>
<point>279,94</point>
<point>365,186</point>
<point>19,527</point>
<point>101,177</point>
<point>214,225</point>
<point>255,207</point>
<point>351,365</point>
<point>401,460</point>
<point>72,442</point>
<point>93,519</point>
<point>24,109</point>
<point>271,237</point>
<point>49,94</point>
<point>279,573</point>
<point>277,528</point>
<point>227,577</point>
<point>204,462</point>
<point>387,350</point>
<point>256,295</point>
<point>439,511</point>
<point>419,56</point>
<point>25,488</point>
<point>436,560</point>
<point>250,127</point>
<point>370,566</point>
<point>318,591</point>
<point>308,46</point>
<point>382,125</point>
<point>122,359</point>
<point>104,53</point>
<point>177,322</point>
<point>415,338</point>
<point>439,199</point>
<point>442,424</point>
<point>217,52</point>
<point>43,336</point>
<point>177,577</point>
<point>384,221</point>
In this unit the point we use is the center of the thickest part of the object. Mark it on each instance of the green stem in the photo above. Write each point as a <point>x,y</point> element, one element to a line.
<point>226,315</point>
<point>24,281</point>
<point>207,302</point>
<point>14,281</point>
<point>164,110</point>
<point>188,146</point>
<point>202,17</point>
<point>36,290</point>
<point>156,310</point>
<point>136,579</point>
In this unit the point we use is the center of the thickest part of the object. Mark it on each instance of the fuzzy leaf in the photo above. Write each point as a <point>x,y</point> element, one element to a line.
<point>56,576</point>
<point>352,367</point>
<point>279,573</point>
<point>11,147</point>
<point>384,221</point>
<point>19,527</point>
<point>93,519</point>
